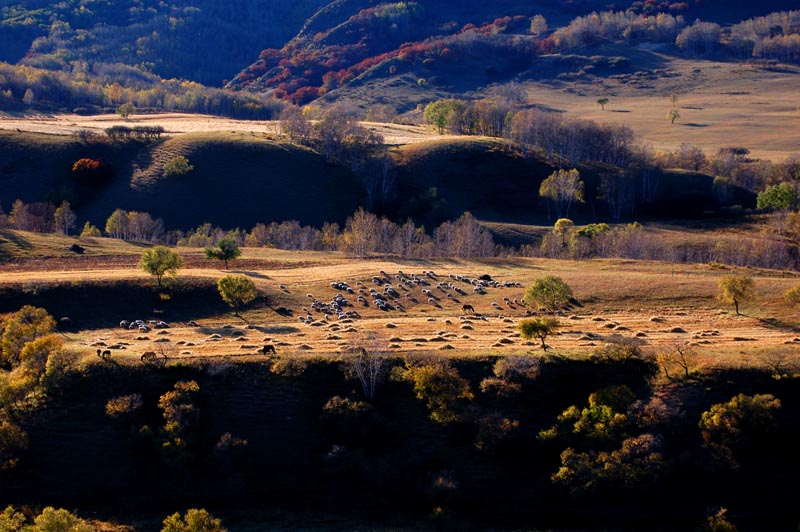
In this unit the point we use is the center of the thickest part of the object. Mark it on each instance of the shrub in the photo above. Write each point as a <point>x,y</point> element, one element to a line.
<point>177,166</point>
<point>194,521</point>
<point>123,406</point>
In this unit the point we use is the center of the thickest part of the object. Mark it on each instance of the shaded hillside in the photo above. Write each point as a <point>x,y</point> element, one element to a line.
<point>439,180</point>
<point>238,179</point>
<point>201,40</point>
<point>348,38</point>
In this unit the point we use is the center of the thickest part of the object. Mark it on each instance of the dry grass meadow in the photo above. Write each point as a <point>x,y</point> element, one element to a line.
<point>661,305</point>
<point>721,104</point>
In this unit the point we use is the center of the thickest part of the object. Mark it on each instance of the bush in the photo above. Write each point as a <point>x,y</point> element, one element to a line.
<point>123,406</point>
<point>178,166</point>
<point>194,521</point>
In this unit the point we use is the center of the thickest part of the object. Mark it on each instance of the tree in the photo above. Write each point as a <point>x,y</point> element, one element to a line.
<point>13,441</point>
<point>602,103</point>
<point>60,520</point>
<point>538,25</point>
<point>65,217</point>
<point>673,99</point>
<point>441,387</point>
<point>25,325</point>
<point>11,520</point>
<point>561,188</point>
<point>126,110</point>
<point>195,520</point>
<point>735,290</point>
<point>227,249</point>
<point>539,328</point>
<point>550,292</point>
<point>236,291</point>
<point>177,166</point>
<point>118,224</point>
<point>673,115</point>
<point>780,197</point>
<point>792,296</point>
<point>160,261</point>
<point>738,423</point>
<point>90,230</point>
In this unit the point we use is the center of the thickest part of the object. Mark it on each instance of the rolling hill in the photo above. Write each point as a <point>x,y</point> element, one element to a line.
<point>240,179</point>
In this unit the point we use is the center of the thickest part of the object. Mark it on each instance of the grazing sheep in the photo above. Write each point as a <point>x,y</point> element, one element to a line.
<point>124,324</point>
<point>467,307</point>
<point>149,356</point>
<point>105,355</point>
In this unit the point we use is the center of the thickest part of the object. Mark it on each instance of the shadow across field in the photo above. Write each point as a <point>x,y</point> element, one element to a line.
<point>95,305</point>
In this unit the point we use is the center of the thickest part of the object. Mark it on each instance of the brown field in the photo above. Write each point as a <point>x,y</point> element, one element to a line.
<point>650,301</point>
<point>721,104</point>
<point>179,123</point>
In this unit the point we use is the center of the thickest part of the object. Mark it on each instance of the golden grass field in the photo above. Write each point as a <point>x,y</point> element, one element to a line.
<point>651,301</point>
<point>721,104</point>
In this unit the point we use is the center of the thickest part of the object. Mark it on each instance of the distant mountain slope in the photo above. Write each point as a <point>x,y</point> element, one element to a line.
<point>201,40</point>
<point>487,42</point>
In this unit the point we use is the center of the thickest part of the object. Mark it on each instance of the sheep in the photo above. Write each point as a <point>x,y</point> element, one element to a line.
<point>105,355</point>
<point>124,324</point>
<point>467,307</point>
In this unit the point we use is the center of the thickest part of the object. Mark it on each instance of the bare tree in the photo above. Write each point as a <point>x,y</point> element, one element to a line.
<point>367,362</point>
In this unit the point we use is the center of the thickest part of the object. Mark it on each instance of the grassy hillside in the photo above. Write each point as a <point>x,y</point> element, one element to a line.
<point>491,179</point>
<point>242,178</point>
<point>239,179</point>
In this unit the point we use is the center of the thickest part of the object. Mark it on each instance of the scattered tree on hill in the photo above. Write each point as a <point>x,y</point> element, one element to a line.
<point>718,522</point>
<point>445,114</point>
<point>180,419</point>
<point>237,291</point>
<point>126,110</point>
<point>792,296</point>
<point>550,292</point>
<point>699,38</point>
<point>441,387</point>
<point>735,424</point>
<point>90,230</point>
<point>602,102</point>
<point>25,325</point>
<point>736,290</point>
<point>366,362</point>
<point>177,166</point>
<point>781,197</point>
<point>673,99</point>
<point>227,249</point>
<point>13,441</point>
<point>65,218</point>
<point>561,188</point>
<point>160,261</point>
<point>673,115</point>
<point>538,25</point>
<point>539,328</point>
<point>193,521</point>
<point>118,224</point>
<point>91,172</point>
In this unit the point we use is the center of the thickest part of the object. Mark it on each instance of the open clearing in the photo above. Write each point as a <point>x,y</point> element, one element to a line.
<point>661,305</point>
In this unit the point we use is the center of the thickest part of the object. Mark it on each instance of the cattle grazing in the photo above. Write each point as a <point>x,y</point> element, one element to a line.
<point>268,348</point>
<point>468,307</point>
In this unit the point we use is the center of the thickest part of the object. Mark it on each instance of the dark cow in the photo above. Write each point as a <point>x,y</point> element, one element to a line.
<point>469,308</point>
